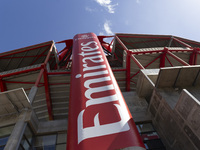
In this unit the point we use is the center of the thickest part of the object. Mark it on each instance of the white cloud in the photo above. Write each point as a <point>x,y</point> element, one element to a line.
<point>89,9</point>
<point>107,4</point>
<point>107,28</point>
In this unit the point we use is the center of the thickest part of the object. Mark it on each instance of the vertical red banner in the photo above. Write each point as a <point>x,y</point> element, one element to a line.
<point>98,115</point>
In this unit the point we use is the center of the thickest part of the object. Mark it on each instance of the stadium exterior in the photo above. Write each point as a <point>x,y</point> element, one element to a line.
<point>158,76</point>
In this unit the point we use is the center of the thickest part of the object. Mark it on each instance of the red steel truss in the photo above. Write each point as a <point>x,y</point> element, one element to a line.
<point>165,52</point>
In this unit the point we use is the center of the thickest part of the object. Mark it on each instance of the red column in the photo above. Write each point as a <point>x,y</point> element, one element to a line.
<point>162,58</point>
<point>128,70</point>
<point>47,93</point>
<point>2,85</point>
<point>98,115</point>
<point>193,57</point>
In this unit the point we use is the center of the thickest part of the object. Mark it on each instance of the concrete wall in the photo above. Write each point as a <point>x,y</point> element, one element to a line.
<point>179,127</point>
<point>137,106</point>
<point>146,83</point>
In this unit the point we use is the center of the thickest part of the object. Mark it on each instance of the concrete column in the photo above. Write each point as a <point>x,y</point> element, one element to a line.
<point>32,93</point>
<point>17,133</point>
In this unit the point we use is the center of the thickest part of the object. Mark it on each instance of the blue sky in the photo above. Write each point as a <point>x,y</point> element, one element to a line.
<point>28,22</point>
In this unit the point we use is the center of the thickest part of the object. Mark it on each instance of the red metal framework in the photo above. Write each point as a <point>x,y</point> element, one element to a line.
<point>141,45</point>
<point>41,69</point>
<point>35,66</point>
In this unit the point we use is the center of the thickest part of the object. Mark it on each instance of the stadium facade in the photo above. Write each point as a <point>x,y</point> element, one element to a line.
<point>72,99</point>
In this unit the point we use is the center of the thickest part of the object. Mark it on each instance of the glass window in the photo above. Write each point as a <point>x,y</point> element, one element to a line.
<point>6,131</point>
<point>145,127</point>
<point>47,142</point>
<point>3,140</point>
<point>26,142</point>
<point>50,142</point>
<point>155,144</point>
<point>38,148</point>
<point>4,135</point>
<point>61,147</point>
<point>50,147</point>
<point>28,134</point>
<point>61,138</point>
<point>38,141</point>
<point>150,137</point>
<point>61,141</point>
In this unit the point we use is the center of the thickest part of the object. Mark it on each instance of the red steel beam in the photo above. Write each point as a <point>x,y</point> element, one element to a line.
<point>40,55</point>
<point>121,43</point>
<point>58,73</point>
<point>193,56</point>
<point>130,44</point>
<point>16,82</point>
<point>43,72</point>
<point>162,58</point>
<point>119,52</point>
<point>128,70</point>
<point>181,42</point>
<point>49,54</point>
<point>39,77</point>
<point>160,51</point>
<point>152,62</point>
<point>146,52</point>
<point>59,83</point>
<point>191,42</point>
<point>20,72</point>
<point>148,37</point>
<point>16,51</point>
<point>128,64</point>
<point>148,41</point>
<point>2,85</point>
<point>177,58</point>
<point>117,70</point>
<point>145,66</point>
<point>47,93</point>
<point>133,81</point>
<point>137,62</point>
<point>169,61</point>
<point>19,57</point>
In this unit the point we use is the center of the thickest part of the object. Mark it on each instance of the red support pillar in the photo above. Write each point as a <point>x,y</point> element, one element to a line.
<point>39,77</point>
<point>2,85</point>
<point>162,58</point>
<point>49,54</point>
<point>97,109</point>
<point>193,57</point>
<point>43,72</point>
<point>128,70</point>
<point>47,93</point>
<point>128,64</point>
